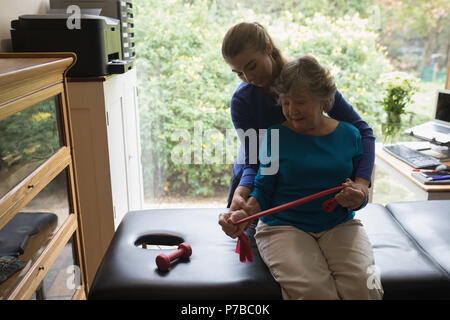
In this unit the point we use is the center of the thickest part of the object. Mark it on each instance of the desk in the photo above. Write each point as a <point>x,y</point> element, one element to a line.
<point>401,172</point>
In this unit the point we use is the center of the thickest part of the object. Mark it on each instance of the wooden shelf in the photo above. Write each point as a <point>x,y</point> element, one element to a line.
<point>34,103</point>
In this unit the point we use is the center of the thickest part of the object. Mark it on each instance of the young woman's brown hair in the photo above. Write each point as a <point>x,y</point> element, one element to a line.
<point>247,35</point>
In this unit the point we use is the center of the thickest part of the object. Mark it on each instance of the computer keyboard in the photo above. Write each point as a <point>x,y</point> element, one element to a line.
<point>441,129</point>
<point>412,157</point>
<point>8,266</point>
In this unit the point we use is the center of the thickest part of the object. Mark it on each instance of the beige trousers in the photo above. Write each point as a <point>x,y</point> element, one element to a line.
<point>333,264</point>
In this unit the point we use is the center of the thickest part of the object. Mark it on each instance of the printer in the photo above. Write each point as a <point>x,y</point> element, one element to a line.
<point>96,41</point>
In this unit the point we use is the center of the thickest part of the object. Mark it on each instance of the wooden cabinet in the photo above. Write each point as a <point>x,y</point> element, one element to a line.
<point>106,142</point>
<point>40,222</point>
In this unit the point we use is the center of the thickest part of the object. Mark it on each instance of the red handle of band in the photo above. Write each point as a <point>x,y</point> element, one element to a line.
<point>291,204</point>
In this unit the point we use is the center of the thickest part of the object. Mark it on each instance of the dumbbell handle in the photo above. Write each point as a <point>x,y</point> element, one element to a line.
<point>176,254</point>
<point>163,261</point>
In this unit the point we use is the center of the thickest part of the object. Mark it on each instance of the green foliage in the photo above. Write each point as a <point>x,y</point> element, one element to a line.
<point>184,82</point>
<point>30,134</point>
<point>348,48</point>
<point>398,89</point>
<point>305,9</point>
<point>414,31</point>
<point>417,16</point>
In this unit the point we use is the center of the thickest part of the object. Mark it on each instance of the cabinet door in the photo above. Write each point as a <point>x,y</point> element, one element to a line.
<point>117,154</point>
<point>27,139</point>
<point>124,144</point>
<point>64,277</point>
<point>35,233</point>
<point>132,142</point>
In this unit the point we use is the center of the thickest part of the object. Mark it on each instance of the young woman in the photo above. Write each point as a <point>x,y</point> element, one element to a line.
<point>250,52</point>
<point>313,254</point>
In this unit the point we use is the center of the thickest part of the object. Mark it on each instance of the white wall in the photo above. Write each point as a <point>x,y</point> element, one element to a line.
<point>12,9</point>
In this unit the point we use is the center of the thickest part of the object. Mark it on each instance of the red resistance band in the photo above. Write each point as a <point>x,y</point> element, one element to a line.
<point>243,245</point>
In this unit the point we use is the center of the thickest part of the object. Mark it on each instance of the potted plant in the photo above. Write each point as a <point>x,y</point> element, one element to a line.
<point>398,89</point>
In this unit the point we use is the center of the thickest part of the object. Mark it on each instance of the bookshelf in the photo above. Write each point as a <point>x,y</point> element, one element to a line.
<point>40,222</point>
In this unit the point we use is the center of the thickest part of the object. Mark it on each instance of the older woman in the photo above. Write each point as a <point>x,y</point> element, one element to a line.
<point>313,254</point>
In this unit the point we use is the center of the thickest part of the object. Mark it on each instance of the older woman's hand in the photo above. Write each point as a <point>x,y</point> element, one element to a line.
<point>226,221</point>
<point>354,194</point>
<point>237,209</point>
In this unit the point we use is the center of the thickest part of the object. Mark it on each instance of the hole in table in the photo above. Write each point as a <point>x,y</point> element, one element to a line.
<point>159,241</point>
<point>157,247</point>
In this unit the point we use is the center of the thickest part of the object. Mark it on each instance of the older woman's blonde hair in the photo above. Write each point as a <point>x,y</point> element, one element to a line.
<point>305,74</point>
<point>249,35</point>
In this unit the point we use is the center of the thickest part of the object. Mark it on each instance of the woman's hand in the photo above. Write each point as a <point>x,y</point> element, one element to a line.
<point>240,198</point>
<point>237,208</point>
<point>354,194</point>
<point>226,221</point>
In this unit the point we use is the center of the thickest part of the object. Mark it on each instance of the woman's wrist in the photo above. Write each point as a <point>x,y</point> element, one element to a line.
<point>243,191</point>
<point>240,198</point>
<point>364,185</point>
<point>253,206</point>
<point>362,181</point>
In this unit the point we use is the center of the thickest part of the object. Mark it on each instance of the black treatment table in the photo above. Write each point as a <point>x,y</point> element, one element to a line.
<point>213,271</point>
<point>410,240</point>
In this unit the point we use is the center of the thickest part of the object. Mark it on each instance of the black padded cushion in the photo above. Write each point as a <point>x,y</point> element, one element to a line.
<point>12,243</point>
<point>407,272</point>
<point>15,234</point>
<point>428,222</point>
<point>212,272</point>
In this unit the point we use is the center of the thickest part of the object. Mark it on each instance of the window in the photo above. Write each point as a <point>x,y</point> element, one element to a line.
<point>185,87</point>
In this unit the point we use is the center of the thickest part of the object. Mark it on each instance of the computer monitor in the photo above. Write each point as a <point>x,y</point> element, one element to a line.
<point>443,106</point>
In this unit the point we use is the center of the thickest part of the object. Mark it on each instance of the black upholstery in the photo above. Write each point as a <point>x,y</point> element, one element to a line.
<point>407,272</point>
<point>212,272</point>
<point>428,223</point>
<point>410,268</point>
<point>14,236</point>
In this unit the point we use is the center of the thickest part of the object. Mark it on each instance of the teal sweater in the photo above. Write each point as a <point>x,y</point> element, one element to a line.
<point>307,165</point>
